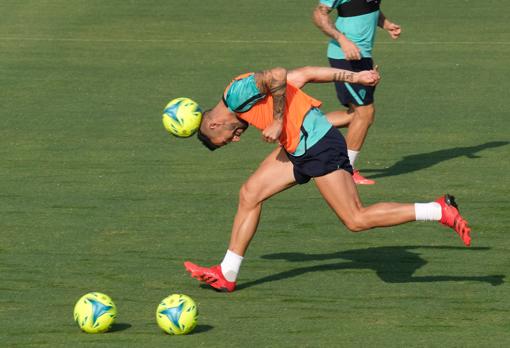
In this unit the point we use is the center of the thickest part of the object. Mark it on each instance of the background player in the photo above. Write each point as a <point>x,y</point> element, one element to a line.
<point>350,47</point>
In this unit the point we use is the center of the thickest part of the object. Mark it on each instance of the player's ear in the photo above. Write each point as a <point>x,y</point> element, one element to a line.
<point>209,123</point>
<point>213,124</point>
<point>210,120</point>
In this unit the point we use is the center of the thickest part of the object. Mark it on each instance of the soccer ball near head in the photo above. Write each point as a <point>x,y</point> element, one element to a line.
<point>177,314</point>
<point>181,117</point>
<point>95,312</point>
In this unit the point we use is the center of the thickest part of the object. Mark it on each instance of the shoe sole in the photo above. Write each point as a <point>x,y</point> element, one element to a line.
<point>364,183</point>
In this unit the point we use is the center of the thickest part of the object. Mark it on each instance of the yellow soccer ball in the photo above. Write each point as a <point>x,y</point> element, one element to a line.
<point>95,312</point>
<point>177,314</point>
<point>182,117</point>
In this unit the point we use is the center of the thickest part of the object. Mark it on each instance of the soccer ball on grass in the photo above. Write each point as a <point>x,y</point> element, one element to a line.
<point>177,314</point>
<point>95,312</point>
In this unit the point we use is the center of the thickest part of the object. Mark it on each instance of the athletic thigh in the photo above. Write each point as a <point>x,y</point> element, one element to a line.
<point>341,194</point>
<point>274,175</point>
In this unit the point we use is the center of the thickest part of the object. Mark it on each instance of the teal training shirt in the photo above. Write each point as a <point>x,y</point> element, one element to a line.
<point>359,25</point>
<point>316,126</point>
<point>242,94</point>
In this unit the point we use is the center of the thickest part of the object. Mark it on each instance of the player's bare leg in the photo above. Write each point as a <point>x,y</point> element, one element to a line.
<point>363,118</point>
<point>274,175</point>
<point>358,128</point>
<point>342,196</point>
<point>340,118</point>
<point>340,192</point>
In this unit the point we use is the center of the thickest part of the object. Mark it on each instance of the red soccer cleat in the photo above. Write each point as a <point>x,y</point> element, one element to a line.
<point>210,275</point>
<point>360,179</point>
<point>451,217</point>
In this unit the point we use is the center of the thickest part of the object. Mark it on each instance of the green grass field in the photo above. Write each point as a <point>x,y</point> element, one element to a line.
<point>95,196</point>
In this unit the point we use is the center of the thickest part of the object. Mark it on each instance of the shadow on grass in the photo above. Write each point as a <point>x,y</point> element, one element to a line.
<point>391,264</point>
<point>201,328</point>
<point>119,327</point>
<point>421,161</point>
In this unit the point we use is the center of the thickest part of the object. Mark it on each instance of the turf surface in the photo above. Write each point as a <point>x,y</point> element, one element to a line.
<point>95,196</point>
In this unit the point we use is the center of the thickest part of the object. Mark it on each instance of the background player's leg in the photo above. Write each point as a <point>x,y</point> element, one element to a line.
<point>362,119</point>
<point>358,128</point>
<point>340,118</point>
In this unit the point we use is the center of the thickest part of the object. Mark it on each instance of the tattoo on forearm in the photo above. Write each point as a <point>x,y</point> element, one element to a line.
<point>278,106</point>
<point>278,89</point>
<point>347,76</point>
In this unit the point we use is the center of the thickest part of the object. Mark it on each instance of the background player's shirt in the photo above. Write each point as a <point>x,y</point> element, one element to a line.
<point>357,20</point>
<point>242,94</point>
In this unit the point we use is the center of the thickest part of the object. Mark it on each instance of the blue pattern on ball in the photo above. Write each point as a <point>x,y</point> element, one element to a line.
<point>98,309</point>
<point>174,313</point>
<point>172,111</point>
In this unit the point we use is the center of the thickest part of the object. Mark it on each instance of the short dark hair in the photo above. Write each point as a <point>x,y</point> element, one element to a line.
<point>204,139</point>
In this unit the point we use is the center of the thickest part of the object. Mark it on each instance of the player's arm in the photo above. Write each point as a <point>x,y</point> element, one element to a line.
<point>323,21</point>
<point>393,29</point>
<point>315,74</point>
<point>274,82</point>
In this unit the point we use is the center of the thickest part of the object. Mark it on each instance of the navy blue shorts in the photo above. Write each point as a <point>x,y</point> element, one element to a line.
<point>326,156</point>
<point>352,93</point>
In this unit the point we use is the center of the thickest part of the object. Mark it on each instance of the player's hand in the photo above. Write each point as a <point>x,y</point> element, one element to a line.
<point>350,50</point>
<point>369,77</point>
<point>272,132</point>
<point>393,29</point>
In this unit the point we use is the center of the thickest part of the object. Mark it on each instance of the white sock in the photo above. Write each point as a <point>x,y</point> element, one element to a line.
<point>230,265</point>
<point>352,156</point>
<point>427,211</point>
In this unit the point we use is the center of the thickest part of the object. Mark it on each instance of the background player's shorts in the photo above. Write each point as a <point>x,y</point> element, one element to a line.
<point>352,93</point>
<point>326,156</point>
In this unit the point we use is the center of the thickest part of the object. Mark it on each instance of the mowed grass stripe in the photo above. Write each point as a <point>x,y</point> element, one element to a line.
<point>255,41</point>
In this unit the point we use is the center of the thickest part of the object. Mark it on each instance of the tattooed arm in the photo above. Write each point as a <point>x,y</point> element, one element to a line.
<point>301,76</point>
<point>274,82</point>
<point>322,20</point>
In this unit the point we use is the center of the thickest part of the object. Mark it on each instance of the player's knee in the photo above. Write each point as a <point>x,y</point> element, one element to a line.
<point>353,227</point>
<point>356,223</point>
<point>366,113</point>
<point>248,195</point>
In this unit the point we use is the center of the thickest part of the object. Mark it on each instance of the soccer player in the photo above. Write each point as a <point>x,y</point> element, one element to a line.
<point>350,48</point>
<point>309,147</point>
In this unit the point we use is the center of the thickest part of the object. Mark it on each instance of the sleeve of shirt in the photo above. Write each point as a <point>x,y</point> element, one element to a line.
<point>331,3</point>
<point>242,94</point>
